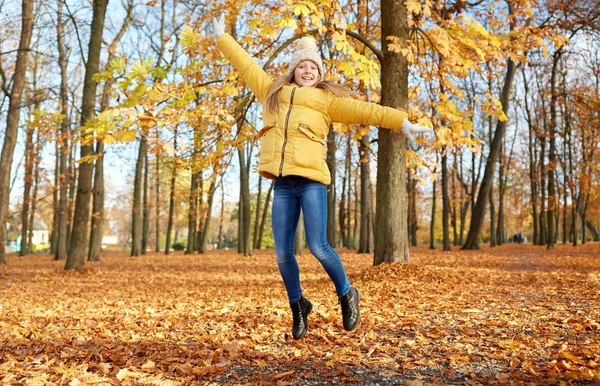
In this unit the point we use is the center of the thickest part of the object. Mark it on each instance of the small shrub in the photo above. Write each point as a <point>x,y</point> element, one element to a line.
<point>179,246</point>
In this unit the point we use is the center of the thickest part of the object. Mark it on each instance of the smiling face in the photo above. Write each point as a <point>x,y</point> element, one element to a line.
<point>306,74</point>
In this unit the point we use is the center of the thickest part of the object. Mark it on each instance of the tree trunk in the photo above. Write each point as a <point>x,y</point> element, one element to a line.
<point>55,190</point>
<point>532,142</point>
<point>453,204</point>
<point>542,215</point>
<point>349,196</point>
<point>12,119</point>
<point>28,177</point>
<point>391,241</point>
<point>299,237</point>
<point>172,196</point>
<point>240,244</point>
<point>192,221</point>
<point>146,208</point>
<point>222,217</point>
<point>200,211</point>
<point>412,208</point>
<point>552,195</point>
<point>331,207</point>
<point>583,228</point>
<point>136,215</point>
<point>79,236</point>
<point>211,196</point>
<point>157,207</point>
<point>433,209</point>
<point>342,208</point>
<point>62,145</point>
<point>245,207</point>
<point>366,226</point>
<point>264,216</point>
<point>73,172</point>
<point>97,231</point>
<point>492,218</point>
<point>590,226</point>
<point>257,213</point>
<point>486,184</point>
<point>354,239</point>
<point>36,182</point>
<point>501,192</point>
<point>97,206</point>
<point>445,201</point>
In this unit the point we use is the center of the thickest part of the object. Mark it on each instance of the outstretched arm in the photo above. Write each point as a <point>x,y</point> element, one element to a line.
<point>253,75</point>
<point>352,111</point>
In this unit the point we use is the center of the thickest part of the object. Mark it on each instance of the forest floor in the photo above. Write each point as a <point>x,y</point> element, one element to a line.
<point>514,315</point>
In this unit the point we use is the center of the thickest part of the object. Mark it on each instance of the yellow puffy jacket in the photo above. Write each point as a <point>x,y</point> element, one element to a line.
<point>293,138</point>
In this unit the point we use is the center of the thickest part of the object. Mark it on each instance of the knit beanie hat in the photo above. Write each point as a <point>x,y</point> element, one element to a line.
<point>306,49</point>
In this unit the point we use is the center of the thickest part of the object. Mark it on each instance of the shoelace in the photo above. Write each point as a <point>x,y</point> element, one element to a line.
<point>347,305</point>
<point>297,312</point>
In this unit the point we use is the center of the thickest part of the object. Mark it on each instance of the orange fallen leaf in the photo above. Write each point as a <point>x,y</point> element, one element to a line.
<point>283,375</point>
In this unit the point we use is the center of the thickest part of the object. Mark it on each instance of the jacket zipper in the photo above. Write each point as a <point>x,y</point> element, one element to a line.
<point>287,119</point>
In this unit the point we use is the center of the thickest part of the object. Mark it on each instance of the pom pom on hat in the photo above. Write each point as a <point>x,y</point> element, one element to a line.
<point>306,49</point>
<point>306,43</point>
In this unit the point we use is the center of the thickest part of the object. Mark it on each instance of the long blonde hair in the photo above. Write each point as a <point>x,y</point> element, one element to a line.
<point>272,103</point>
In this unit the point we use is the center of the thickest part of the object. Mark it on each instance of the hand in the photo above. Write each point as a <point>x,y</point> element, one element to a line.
<point>219,26</point>
<point>409,129</point>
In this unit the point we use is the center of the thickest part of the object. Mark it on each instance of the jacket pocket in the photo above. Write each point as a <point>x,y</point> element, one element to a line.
<point>309,148</point>
<point>267,143</point>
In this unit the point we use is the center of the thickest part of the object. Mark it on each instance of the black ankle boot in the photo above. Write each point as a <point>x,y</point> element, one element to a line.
<point>300,311</point>
<point>350,311</point>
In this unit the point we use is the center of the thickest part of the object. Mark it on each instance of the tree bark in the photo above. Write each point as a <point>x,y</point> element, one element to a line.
<point>552,196</point>
<point>12,119</point>
<point>222,218</point>
<point>342,209</point>
<point>433,209</point>
<point>146,208</point>
<point>349,196</point>
<point>299,237</point>
<point>97,230</point>
<point>590,226</point>
<point>36,182</point>
<point>73,172</point>
<point>391,241</point>
<point>366,226</point>
<point>97,206</point>
<point>192,219</point>
<point>55,190</point>
<point>28,177</point>
<point>488,177</point>
<point>454,201</point>
<point>79,236</point>
<point>200,212</point>
<point>257,214</point>
<point>211,196</point>
<point>136,215</point>
<point>157,207</point>
<point>331,199</point>
<point>492,217</point>
<point>172,196</point>
<point>62,144</point>
<point>445,201</point>
<point>264,216</point>
<point>245,217</point>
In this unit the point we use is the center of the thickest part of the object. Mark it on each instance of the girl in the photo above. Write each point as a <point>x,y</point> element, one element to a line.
<point>297,110</point>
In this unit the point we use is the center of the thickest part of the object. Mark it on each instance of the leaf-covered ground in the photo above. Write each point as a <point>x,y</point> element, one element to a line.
<point>509,315</point>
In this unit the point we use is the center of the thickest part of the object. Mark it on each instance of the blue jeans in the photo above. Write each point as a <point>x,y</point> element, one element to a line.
<point>291,194</point>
